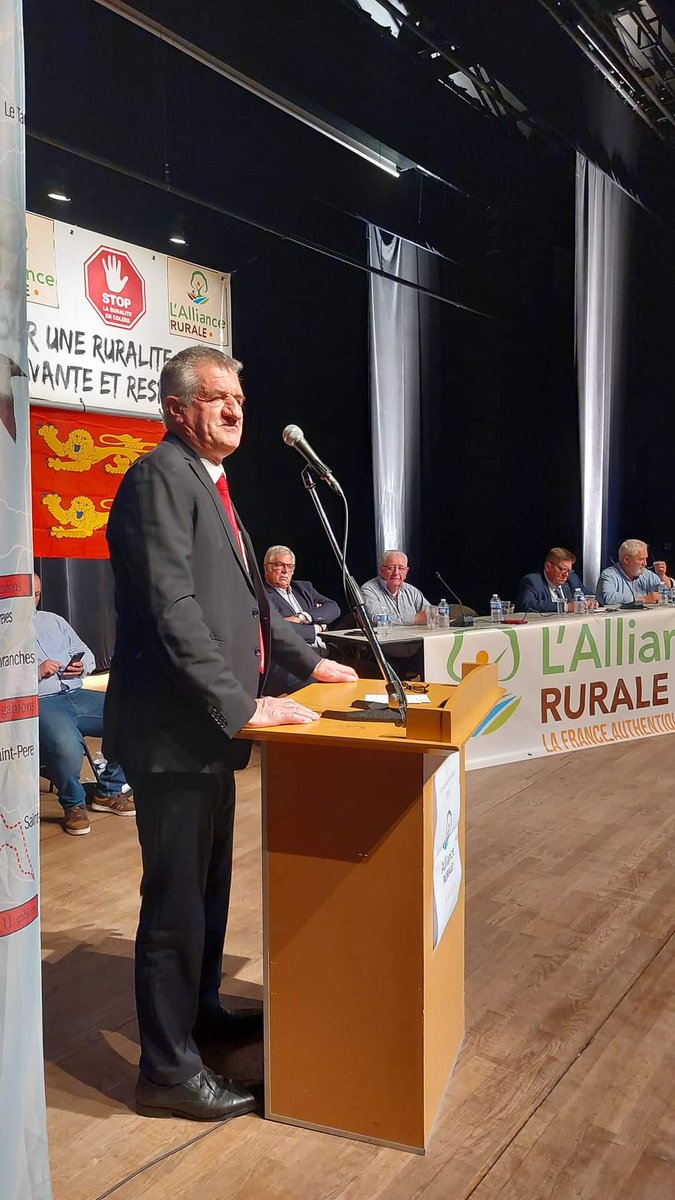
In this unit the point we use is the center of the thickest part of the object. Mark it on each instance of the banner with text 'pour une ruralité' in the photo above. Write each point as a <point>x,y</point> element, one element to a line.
<point>24,1167</point>
<point>105,315</point>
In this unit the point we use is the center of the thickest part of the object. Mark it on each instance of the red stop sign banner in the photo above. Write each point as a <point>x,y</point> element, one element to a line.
<point>114,287</point>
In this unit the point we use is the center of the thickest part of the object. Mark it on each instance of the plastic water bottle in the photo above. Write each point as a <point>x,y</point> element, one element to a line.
<point>382,625</point>
<point>579,601</point>
<point>663,594</point>
<point>443,614</point>
<point>496,612</point>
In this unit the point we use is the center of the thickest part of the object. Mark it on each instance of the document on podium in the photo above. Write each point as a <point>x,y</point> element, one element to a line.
<point>447,861</point>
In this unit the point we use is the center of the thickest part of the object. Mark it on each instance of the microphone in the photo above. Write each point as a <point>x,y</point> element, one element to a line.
<point>293,436</point>
<point>453,594</point>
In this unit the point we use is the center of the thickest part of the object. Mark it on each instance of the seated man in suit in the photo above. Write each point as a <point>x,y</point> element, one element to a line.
<point>69,713</point>
<point>631,579</point>
<point>541,591</point>
<point>307,611</point>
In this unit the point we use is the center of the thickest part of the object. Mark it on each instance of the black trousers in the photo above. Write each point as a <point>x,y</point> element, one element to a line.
<point>185,827</point>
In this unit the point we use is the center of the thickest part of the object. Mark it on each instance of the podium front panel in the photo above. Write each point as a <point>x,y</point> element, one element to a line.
<point>364,1017</point>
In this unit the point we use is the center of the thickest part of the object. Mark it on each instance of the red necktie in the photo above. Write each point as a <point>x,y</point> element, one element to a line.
<point>224,493</point>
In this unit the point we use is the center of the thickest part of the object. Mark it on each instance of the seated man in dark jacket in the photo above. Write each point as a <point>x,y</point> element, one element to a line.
<point>301,605</point>
<point>540,591</point>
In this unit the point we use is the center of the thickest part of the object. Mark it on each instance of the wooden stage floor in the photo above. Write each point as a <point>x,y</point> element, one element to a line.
<point>565,1087</point>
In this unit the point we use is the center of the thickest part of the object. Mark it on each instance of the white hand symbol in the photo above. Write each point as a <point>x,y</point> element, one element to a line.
<point>113,271</point>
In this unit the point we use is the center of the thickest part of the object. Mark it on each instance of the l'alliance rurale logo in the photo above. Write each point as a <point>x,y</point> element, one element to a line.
<point>509,665</point>
<point>198,291</point>
<point>565,648</point>
<point>509,656</point>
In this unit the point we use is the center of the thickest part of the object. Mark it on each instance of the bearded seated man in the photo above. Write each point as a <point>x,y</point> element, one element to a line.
<point>631,580</point>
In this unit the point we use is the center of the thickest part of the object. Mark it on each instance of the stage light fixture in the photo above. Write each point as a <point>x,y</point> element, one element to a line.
<point>366,149</point>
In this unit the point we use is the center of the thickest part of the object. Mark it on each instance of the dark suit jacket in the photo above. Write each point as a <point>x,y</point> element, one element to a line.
<point>185,673</point>
<point>322,610</point>
<point>534,592</point>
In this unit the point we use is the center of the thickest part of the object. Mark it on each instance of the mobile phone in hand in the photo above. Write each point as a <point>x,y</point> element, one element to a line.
<point>75,658</point>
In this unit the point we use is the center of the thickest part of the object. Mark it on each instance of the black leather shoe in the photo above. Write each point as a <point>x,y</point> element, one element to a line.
<point>231,1026</point>
<point>205,1097</point>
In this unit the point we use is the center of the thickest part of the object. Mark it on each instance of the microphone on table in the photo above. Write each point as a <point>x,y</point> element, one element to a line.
<point>293,436</point>
<point>453,594</point>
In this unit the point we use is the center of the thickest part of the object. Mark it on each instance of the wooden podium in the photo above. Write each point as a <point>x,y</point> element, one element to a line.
<point>363,1016</point>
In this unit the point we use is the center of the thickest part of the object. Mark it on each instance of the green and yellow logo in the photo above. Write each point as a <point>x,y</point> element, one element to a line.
<point>199,288</point>
<point>508,661</point>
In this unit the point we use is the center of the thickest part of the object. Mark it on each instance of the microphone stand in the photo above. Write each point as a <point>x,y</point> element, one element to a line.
<point>397,705</point>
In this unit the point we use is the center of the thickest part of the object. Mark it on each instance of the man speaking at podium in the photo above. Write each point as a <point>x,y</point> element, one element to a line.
<point>194,634</point>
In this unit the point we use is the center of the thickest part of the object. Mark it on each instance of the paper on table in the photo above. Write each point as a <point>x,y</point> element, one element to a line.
<point>412,699</point>
<point>447,860</point>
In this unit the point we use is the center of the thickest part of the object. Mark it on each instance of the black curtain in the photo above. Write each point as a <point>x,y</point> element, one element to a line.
<point>500,440</point>
<point>643,460</point>
<point>301,328</point>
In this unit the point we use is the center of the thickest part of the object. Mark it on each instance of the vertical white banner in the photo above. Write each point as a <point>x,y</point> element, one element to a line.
<point>602,215</point>
<point>24,1166</point>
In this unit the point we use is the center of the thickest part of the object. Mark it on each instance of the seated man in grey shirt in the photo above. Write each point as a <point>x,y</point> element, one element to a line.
<point>630,579</point>
<point>389,593</point>
<point>68,714</point>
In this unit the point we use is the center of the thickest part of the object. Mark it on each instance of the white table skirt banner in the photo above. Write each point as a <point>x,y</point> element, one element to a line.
<point>571,682</point>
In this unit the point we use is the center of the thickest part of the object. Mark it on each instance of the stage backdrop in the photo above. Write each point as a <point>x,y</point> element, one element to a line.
<point>104,316</point>
<point>24,1167</point>
<point>78,460</point>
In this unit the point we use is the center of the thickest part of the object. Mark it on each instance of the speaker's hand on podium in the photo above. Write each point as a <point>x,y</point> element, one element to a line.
<point>329,671</point>
<point>281,710</point>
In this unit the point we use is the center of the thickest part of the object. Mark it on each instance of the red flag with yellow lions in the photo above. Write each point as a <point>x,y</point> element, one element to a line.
<point>78,460</point>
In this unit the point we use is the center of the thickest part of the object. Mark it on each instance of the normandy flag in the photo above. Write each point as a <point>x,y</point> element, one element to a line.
<point>78,460</point>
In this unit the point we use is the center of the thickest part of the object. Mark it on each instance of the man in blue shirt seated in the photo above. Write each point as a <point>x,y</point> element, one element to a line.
<point>541,591</point>
<point>68,713</point>
<point>389,593</point>
<point>630,580</point>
